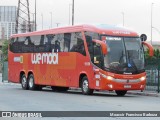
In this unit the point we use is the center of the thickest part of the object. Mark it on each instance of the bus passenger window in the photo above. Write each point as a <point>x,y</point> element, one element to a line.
<point>57,46</point>
<point>36,41</point>
<point>20,44</point>
<point>51,41</point>
<point>67,41</point>
<point>77,44</point>
<point>11,43</point>
<point>28,45</point>
<point>90,46</point>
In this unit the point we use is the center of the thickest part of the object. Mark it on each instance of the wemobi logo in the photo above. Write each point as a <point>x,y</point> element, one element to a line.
<point>48,58</point>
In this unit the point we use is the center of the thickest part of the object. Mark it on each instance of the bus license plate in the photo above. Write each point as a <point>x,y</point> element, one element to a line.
<point>127,86</point>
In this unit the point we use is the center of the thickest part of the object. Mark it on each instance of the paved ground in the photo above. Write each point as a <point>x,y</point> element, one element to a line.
<point>13,98</point>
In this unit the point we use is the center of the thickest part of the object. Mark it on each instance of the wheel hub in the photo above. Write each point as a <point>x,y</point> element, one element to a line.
<point>24,82</point>
<point>31,82</point>
<point>85,85</point>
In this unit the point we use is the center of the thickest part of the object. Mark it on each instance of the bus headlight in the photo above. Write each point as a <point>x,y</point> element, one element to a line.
<point>142,78</point>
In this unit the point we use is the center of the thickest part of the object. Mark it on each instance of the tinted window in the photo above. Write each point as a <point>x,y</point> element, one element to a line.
<point>57,42</point>
<point>28,45</point>
<point>11,47</point>
<point>17,44</point>
<point>90,46</point>
<point>41,43</point>
<point>51,40</point>
<point>77,43</point>
<point>67,41</point>
<point>93,35</point>
<point>98,56</point>
<point>60,42</point>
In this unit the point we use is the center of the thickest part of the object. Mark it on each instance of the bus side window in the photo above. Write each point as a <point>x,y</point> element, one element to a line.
<point>98,60</point>
<point>77,43</point>
<point>11,43</point>
<point>28,45</point>
<point>51,42</point>
<point>90,46</point>
<point>57,46</point>
<point>41,45</point>
<point>44,45</point>
<point>16,45</point>
<point>93,35</point>
<point>47,44</point>
<point>20,44</point>
<point>67,41</point>
<point>36,41</point>
<point>56,42</point>
<point>59,43</point>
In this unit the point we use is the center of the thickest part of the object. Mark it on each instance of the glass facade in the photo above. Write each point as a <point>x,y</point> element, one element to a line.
<point>7,21</point>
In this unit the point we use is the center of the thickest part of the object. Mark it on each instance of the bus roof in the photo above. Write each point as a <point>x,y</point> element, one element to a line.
<point>101,29</point>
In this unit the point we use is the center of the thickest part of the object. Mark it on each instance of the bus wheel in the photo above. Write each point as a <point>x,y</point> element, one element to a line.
<point>31,83</point>
<point>85,87</point>
<point>24,82</point>
<point>121,92</point>
<point>60,89</point>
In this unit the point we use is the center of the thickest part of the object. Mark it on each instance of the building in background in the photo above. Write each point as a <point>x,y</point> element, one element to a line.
<point>7,21</point>
<point>7,24</point>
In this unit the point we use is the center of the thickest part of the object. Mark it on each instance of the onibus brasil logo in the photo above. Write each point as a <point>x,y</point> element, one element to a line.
<point>47,58</point>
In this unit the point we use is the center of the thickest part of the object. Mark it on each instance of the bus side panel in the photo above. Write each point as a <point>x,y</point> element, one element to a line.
<point>41,73</point>
<point>65,71</point>
<point>85,67</point>
<point>14,67</point>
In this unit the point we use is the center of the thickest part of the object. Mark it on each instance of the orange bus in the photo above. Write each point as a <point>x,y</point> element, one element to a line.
<point>84,56</point>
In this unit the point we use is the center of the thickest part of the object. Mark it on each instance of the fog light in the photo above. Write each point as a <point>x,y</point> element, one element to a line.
<point>110,85</point>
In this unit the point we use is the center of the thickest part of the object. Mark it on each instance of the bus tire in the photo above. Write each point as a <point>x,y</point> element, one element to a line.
<point>85,86</point>
<point>24,82</point>
<point>121,92</point>
<point>31,83</point>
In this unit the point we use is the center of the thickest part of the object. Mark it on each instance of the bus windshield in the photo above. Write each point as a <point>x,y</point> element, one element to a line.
<point>125,55</point>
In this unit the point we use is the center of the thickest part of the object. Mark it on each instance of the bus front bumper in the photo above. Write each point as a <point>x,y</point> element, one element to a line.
<point>120,84</point>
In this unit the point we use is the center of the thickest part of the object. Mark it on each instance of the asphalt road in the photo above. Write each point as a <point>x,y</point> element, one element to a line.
<point>13,98</point>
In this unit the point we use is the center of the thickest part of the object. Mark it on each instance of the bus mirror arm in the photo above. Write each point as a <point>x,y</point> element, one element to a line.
<point>103,46</point>
<point>150,47</point>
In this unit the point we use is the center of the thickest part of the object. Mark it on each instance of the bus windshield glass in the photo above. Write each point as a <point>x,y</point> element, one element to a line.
<point>125,55</point>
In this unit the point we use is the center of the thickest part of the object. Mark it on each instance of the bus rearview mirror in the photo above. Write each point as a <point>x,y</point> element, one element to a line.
<point>103,46</point>
<point>150,47</point>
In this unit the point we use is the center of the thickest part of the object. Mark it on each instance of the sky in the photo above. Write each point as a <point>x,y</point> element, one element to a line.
<point>137,13</point>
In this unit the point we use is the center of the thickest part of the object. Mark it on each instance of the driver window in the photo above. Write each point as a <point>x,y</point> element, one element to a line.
<point>98,56</point>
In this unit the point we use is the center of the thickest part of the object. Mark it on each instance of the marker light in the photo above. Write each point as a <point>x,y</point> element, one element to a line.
<point>142,86</point>
<point>142,78</point>
<point>110,85</point>
<point>110,78</point>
